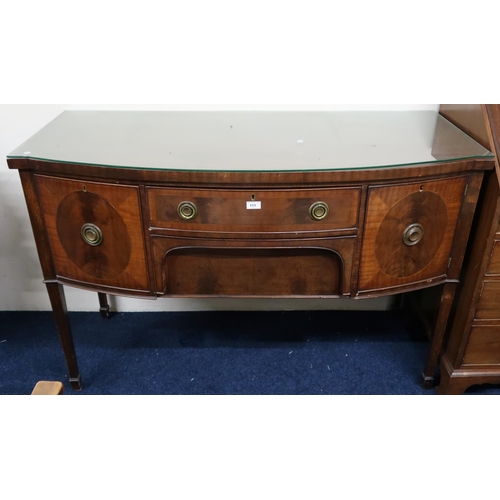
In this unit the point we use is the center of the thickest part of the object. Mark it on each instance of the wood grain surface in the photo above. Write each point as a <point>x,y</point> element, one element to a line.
<point>120,261</point>
<point>291,268</point>
<point>386,261</point>
<point>281,211</point>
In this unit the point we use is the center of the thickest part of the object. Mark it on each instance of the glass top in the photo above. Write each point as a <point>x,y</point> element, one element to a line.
<point>250,140</point>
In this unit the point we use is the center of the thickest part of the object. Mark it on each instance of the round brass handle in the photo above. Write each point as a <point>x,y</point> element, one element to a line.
<point>187,210</point>
<point>413,234</point>
<point>92,235</point>
<point>319,210</point>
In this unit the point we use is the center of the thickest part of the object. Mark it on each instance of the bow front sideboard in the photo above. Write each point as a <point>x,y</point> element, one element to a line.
<point>251,204</point>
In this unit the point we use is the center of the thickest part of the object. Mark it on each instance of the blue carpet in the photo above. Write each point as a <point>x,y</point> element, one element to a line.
<point>216,353</point>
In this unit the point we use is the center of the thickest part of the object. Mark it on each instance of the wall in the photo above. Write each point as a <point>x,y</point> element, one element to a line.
<point>21,286</point>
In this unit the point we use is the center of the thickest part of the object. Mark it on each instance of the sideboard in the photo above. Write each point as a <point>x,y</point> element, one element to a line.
<point>251,204</point>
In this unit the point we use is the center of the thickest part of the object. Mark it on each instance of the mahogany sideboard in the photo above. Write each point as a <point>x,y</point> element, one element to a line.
<point>251,204</point>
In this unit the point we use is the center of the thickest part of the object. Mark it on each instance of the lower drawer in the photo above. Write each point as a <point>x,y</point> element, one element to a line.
<point>292,268</point>
<point>483,347</point>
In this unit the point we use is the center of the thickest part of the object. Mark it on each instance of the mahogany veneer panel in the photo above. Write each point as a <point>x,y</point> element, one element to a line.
<point>291,268</point>
<point>386,261</point>
<point>281,210</point>
<point>120,260</point>
<point>247,272</point>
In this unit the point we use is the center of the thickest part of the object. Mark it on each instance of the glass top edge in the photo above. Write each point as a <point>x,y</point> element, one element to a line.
<point>488,156</point>
<point>142,139</point>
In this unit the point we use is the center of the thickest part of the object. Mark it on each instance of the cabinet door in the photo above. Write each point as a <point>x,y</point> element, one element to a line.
<point>95,232</point>
<point>409,232</point>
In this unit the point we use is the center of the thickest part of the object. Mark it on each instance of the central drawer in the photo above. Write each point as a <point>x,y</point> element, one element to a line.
<point>259,211</point>
<point>295,267</point>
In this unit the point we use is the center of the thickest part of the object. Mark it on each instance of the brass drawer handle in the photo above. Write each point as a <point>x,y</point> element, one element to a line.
<point>413,234</point>
<point>92,235</point>
<point>187,210</point>
<point>319,211</point>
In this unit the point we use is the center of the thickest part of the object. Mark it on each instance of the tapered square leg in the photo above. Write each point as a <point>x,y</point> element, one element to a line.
<point>58,303</point>
<point>103,305</point>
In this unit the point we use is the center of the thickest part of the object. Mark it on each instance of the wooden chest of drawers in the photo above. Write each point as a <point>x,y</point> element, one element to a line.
<point>472,350</point>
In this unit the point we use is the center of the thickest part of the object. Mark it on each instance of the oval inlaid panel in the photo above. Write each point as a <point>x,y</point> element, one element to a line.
<point>110,258</point>
<point>394,257</point>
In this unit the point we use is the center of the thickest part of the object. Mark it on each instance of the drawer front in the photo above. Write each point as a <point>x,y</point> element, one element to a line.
<point>483,347</point>
<point>489,302</point>
<point>254,211</point>
<point>286,268</point>
<point>409,232</point>
<point>95,232</point>
<point>494,264</point>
